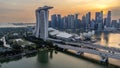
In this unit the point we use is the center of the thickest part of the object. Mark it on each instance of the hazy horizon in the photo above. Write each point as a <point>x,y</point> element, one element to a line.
<point>24,10</point>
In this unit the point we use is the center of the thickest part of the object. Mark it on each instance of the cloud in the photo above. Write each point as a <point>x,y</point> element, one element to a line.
<point>16,10</point>
<point>5,10</point>
<point>116,12</point>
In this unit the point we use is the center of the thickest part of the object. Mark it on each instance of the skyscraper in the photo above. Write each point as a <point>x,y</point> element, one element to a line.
<point>41,29</point>
<point>76,20</point>
<point>92,26</point>
<point>58,20</point>
<point>99,20</point>
<point>119,23</point>
<point>84,22</point>
<point>54,20</point>
<point>88,20</point>
<point>108,19</point>
<point>114,24</point>
<point>72,21</point>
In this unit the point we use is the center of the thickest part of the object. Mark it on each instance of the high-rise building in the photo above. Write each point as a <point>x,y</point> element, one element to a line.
<point>76,21</point>
<point>72,21</point>
<point>69,21</point>
<point>119,23</point>
<point>41,28</point>
<point>64,23</point>
<point>58,20</point>
<point>108,19</point>
<point>104,22</point>
<point>99,20</point>
<point>84,22</point>
<point>97,14</point>
<point>61,23</point>
<point>92,26</point>
<point>114,24</point>
<point>54,21</point>
<point>80,24</point>
<point>101,16</point>
<point>119,20</point>
<point>88,20</point>
<point>49,24</point>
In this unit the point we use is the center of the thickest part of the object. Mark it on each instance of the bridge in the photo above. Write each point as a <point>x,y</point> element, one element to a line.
<point>87,47</point>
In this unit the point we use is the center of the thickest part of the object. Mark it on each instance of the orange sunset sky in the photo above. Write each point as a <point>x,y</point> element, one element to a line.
<point>24,10</point>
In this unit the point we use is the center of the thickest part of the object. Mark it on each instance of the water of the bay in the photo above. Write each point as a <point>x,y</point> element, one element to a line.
<point>108,39</point>
<point>45,59</point>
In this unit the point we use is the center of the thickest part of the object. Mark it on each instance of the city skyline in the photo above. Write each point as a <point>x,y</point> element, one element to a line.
<point>72,21</point>
<point>23,11</point>
<point>59,34</point>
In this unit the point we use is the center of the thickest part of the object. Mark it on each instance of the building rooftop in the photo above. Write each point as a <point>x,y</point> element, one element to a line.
<point>64,35</point>
<point>45,8</point>
<point>58,33</point>
<point>55,32</point>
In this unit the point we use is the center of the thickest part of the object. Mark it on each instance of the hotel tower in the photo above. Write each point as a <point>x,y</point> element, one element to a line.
<point>41,28</point>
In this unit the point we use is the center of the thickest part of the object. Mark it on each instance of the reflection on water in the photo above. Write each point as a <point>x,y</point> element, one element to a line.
<point>43,59</point>
<point>51,54</point>
<point>43,56</point>
<point>108,39</point>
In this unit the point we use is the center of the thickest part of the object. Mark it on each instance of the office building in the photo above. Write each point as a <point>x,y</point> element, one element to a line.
<point>108,19</point>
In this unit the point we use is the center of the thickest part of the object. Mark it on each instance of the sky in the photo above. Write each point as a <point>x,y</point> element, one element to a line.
<point>24,10</point>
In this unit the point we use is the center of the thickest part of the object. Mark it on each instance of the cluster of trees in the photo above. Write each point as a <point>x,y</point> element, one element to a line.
<point>35,40</point>
<point>8,52</point>
<point>1,43</point>
<point>39,42</point>
<point>16,46</point>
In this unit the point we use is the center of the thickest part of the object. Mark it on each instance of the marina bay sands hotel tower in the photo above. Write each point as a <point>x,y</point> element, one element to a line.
<point>41,28</point>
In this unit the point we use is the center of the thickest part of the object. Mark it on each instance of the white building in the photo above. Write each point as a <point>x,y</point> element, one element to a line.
<point>59,34</point>
<point>41,28</point>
